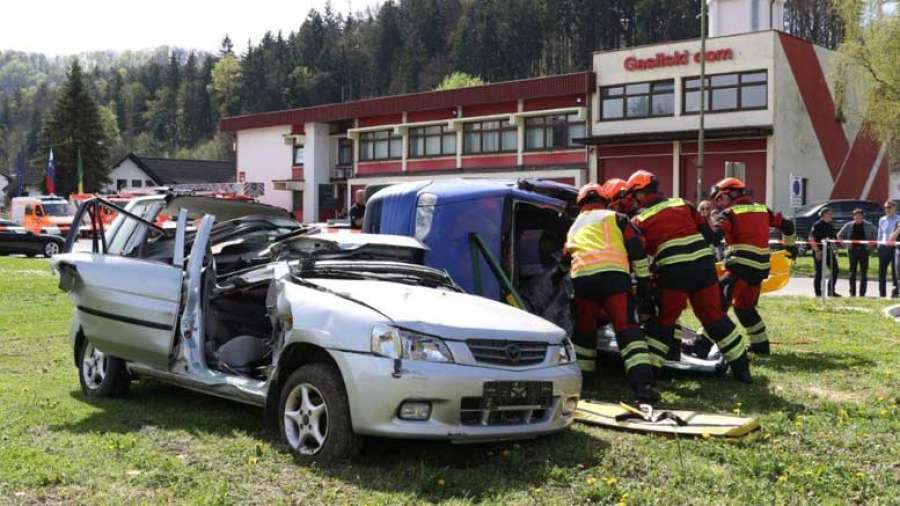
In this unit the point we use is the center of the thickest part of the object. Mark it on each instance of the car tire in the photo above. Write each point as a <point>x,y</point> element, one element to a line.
<point>101,375</point>
<point>51,248</point>
<point>314,415</point>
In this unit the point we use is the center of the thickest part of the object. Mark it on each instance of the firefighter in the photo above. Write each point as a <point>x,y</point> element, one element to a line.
<point>603,249</point>
<point>619,200</point>
<point>678,239</point>
<point>745,225</point>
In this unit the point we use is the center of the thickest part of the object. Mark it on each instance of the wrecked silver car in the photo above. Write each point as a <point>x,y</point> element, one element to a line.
<point>337,336</point>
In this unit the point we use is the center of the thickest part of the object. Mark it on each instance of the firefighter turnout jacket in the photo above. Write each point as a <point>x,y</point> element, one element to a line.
<point>675,235</point>
<point>746,227</point>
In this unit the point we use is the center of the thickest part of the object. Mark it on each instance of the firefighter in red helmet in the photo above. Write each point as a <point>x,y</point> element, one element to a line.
<point>619,199</point>
<point>745,225</point>
<point>604,249</point>
<point>679,239</point>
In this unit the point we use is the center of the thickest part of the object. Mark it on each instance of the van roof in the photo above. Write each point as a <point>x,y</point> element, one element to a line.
<point>457,190</point>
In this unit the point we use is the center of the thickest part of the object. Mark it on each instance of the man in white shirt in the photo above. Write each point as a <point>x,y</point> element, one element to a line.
<point>886,226</point>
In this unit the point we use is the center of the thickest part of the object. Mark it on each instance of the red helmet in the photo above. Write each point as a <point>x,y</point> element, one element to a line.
<point>613,189</point>
<point>641,180</point>
<point>589,192</point>
<point>731,186</point>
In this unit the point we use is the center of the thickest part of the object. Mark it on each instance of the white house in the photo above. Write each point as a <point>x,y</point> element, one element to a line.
<point>134,172</point>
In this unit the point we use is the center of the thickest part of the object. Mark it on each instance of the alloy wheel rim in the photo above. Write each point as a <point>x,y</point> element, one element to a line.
<point>51,249</point>
<point>306,419</point>
<point>93,367</point>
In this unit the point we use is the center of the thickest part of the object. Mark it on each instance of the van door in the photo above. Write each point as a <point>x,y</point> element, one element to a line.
<point>127,305</point>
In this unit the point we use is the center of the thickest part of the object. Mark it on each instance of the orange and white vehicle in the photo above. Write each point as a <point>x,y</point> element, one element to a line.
<point>43,214</point>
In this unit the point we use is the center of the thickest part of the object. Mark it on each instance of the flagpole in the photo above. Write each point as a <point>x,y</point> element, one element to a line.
<point>80,173</point>
<point>703,92</point>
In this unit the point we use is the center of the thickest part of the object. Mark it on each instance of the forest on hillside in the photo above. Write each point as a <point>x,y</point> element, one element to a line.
<point>167,101</point>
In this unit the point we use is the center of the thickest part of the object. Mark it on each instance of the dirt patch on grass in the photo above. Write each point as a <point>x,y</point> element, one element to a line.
<point>830,394</point>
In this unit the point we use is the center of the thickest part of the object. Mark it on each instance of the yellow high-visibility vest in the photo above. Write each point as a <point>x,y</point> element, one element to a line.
<point>596,244</point>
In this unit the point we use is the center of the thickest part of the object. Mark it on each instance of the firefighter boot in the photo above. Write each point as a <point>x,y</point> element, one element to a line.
<point>740,369</point>
<point>645,394</point>
<point>762,348</point>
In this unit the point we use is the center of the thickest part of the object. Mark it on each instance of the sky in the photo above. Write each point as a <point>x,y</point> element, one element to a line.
<point>62,27</point>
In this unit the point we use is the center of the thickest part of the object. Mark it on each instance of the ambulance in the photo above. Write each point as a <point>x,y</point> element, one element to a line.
<point>42,214</point>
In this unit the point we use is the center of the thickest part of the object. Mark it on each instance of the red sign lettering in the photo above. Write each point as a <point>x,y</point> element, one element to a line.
<point>676,58</point>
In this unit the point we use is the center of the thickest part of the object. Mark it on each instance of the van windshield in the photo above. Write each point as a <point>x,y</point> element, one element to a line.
<point>56,209</point>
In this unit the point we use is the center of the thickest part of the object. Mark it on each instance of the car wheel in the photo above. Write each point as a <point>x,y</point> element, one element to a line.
<point>314,415</point>
<point>51,249</point>
<point>101,375</point>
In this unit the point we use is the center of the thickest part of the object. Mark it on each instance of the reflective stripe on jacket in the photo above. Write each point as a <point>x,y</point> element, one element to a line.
<point>746,228</point>
<point>671,229</point>
<point>596,244</point>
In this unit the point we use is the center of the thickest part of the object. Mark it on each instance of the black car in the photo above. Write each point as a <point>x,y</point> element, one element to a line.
<point>16,239</point>
<point>841,210</point>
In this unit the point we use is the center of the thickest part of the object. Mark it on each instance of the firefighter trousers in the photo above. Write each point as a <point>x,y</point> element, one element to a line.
<point>607,297</point>
<point>744,297</point>
<point>706,302</point>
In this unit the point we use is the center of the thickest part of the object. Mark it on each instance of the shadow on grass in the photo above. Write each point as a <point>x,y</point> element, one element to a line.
<point>437,471</point>
<point>476,471</point>
<point>150,404</point>
<point>815,362</point>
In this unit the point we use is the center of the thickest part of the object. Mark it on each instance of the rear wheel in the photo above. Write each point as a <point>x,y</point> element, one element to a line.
<point>51,249</point>
<point>314,415</point>
<point>101,375</point>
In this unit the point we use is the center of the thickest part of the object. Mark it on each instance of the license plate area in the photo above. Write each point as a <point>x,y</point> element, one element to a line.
<point>517,394</point>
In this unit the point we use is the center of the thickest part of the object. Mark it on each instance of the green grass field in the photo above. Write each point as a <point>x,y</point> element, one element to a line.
<point>827,400</point>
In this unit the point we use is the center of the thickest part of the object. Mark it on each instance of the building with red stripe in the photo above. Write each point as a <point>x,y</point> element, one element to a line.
<point>771,118</point>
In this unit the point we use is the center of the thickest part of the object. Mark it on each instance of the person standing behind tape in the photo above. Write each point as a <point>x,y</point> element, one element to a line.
<point>858,230</point>
<point>604,248</point>
<point>886,226</point>
<point>821,230</point>
<point>679,240</point>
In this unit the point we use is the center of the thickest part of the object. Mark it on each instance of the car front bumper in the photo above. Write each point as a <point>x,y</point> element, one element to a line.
<point>375,392</point>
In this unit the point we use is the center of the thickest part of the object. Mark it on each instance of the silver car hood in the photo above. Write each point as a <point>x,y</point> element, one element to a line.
<point>445,313</point>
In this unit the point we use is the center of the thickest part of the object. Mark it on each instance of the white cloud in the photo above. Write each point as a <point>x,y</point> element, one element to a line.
<point>60,27</point>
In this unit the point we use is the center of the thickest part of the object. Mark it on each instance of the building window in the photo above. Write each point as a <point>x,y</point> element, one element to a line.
<point>148,183</point>
<point>121,184</point>
<point>436,140</point>
<point>489,137</point>
<point>345,151</point>
<point>136,183</point>
<point>552,132</point>
<point>638,100</point>
<point>298,154</point>
<point>380,145</point>
<point>728,92</point>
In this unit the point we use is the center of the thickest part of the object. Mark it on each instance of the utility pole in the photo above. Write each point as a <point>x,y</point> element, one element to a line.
<point>703,91</point>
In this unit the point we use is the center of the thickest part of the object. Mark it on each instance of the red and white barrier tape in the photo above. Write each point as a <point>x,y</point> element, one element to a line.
<point>840,242</point>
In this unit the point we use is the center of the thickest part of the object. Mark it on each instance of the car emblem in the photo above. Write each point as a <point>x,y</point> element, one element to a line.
<point>513,352</point>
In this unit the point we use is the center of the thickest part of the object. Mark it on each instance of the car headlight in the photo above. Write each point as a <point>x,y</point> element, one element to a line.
<point>566,352</point>
<point>392,342</point>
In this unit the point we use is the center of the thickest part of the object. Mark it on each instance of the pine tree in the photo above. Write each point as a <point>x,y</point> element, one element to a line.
<point>75,124</point>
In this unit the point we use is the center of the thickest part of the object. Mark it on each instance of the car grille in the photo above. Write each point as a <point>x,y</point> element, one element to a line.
<point>513,353</point>
<point>473,413</point>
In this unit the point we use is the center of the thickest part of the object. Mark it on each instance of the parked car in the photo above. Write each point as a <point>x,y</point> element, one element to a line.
<point>337,336</point>
<point>841,210</point>
<point>15,238</point>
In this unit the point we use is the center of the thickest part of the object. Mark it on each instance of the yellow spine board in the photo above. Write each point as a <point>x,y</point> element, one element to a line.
<point>604,414</point>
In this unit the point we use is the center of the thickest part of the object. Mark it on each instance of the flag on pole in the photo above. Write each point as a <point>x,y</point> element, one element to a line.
<point>20,174</point>
<point>80,173</point>
<point>51,175</point>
